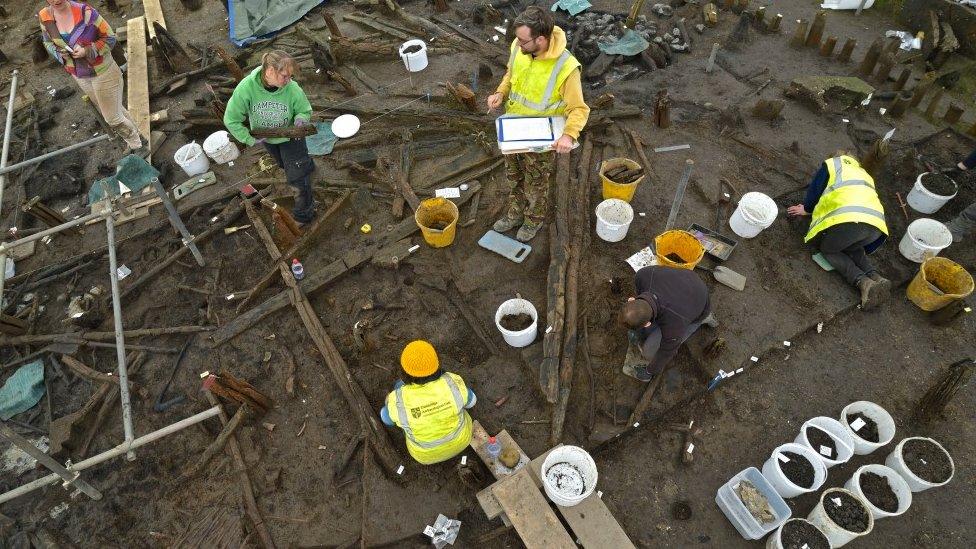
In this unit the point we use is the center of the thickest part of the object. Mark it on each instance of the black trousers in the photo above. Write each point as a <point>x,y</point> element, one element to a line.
<point>292,156</point>
<point>843,246</point>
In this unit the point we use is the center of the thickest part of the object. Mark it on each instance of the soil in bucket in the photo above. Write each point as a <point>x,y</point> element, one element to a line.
<point>847,512</point>
<point>412,49</point>
<point>939,184</point>
<point>755,502</point>
<point>516,323</point>
<point>798,534</point>
<point>927,461</point>
<point>879,492</point>
<point>567,479</point>
<point>439,225</point>
<point>675,258</point>
<point>798,469</point>
<point>822,442</point>
<point>868,431</point>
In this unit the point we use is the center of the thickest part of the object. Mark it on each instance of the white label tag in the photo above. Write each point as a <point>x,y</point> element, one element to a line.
<point>804,546</point>
<point>819,327</point>
<point>754,359</point>
<point>400,469</point>
<point>429,531</point>
<point>786,344</point>
<point>548,329</point>
<point>857,424</point>
<point>691,447</point>
<point>826,451</point>
<point>836,501</point>
<point>783,458</point>
<point>464,460</point>
<point>123,271</point>
<point>448,192</point>
<point>413,248</point>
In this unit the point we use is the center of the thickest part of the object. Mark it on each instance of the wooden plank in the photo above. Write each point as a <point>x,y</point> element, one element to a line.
<point>533,519</point>
<point>154,12</point>
<point>591,520</point>
<point>491,507</point>
<point>479,437</point>
<point>138,75</point>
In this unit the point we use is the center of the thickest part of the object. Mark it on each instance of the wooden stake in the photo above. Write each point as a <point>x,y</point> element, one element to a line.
<point>817,29</point>
<point>645,401</point>
<point>709,15</point>
<point>922,88</point>
<point>953,113</point>
<point>827,48</point>
<point>906,73</point>
<point>331,23</point>
<point>900,104</point>
<point>759,18</point>
<point>775,24</point>
<point>800,33</point>
<point>662,110</point>
<point>847,50</point>
<point>871,58</point>
<point>711,58</point>
<point>884,68</point>
<point>934,103</point>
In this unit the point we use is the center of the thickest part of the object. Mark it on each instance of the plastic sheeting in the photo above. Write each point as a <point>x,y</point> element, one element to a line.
<point>572,6</point>
<point>630,43</point>
<point>22,390</point>
<point>254,19</point>
<point>321,143</point>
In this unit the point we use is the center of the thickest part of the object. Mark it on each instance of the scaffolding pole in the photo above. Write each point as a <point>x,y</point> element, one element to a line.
<point>70,478</point>
<point>38,159</point>
<point>7,131</point>
<point>119,337</point>
<point>110,454</point>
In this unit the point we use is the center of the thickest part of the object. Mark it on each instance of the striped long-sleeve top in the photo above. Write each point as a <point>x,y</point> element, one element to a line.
<point>91,30</point>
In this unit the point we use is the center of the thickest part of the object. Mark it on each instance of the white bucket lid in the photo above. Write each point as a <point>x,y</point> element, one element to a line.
<point>758,208</point>
<point>346,125</point>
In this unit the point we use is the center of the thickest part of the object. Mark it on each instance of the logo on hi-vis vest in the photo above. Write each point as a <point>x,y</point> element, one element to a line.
<point>270,114</point>
<point>415,412</point>
<point>431,409</point>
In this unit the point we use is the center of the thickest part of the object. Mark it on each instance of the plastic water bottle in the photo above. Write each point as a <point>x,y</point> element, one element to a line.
<point>297,269</point>
<point>494,448</point>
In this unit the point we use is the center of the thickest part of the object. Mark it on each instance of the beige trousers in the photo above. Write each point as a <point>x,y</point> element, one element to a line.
<point>105,92</point>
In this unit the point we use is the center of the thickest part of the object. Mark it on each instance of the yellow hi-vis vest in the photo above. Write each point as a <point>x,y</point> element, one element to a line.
<point>537,83</point>
<point>849,197</point>
<point>433,418</point>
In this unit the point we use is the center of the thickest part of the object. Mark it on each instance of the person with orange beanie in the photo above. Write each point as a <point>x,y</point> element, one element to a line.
<point>430,406</point>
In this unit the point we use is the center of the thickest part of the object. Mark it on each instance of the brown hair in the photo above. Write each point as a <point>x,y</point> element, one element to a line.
<point>279,61</point>
<point>538,20</point>
<point>635,314</point>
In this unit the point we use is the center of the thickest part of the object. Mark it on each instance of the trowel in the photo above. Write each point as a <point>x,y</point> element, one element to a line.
<point>725,276</point>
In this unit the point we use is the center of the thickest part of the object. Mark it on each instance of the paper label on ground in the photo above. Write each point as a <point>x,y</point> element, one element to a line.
<point>836,501</point>
<point>641,259</point>
<point>691,447</point>
<point>448,192</point>
<point>857,424</point>
<point>429,531</point>
<point>824,450</point>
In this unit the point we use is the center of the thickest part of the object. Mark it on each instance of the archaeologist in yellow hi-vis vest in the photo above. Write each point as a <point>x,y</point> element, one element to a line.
<point>430,405</point>
<point>543,79</point>
<point>847,224</point>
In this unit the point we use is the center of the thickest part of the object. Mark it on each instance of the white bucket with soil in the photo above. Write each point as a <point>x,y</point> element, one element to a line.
<point>923,239</point>
<point>514,313</point>
<point>797,532</point>
<point>922,462</point>
<point>885,491</point>
<point>841,516</point>
<point>833,449</point>
<point>931,192</point>
<point>414,55</point>
<point>794,469</point>
<point>219,147</point>
<point>755,212</point>
<point>192,159</point>
<point>870,425</point>
<point>568,475</point>
<point>613,219</point>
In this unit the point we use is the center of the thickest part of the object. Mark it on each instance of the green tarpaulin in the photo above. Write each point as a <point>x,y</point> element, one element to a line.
<point>252,19</point>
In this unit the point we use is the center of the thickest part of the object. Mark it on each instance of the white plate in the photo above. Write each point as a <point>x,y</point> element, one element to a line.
<point>345,126</point>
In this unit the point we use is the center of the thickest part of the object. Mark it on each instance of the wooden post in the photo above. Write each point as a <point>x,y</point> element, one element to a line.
<point>874,159</point>
<point>759,18</point>
<point>884,68</point>
<point>847,50</point>
<point>827,49</point>
<point>800,33</point>
<point>817,29</point>
<point>922,88</point>
<point>662,110</point>
<point>934,103</point>
<point>775,24</point>
<point>711,58</point>
<point>952,114</point>
<point>906,73</point>
<point>709,15</point>
<point>740,33</point>
<point>330,22</point>
<point>899,105</point>
<point>871,58</point>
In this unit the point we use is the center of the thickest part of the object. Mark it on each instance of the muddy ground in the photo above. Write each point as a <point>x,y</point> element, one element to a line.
<point>889,356</point>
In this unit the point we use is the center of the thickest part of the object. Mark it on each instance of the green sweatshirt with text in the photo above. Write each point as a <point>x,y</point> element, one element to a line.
<point>263,108</point>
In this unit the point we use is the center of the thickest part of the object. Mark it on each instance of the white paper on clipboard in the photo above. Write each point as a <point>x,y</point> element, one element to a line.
<point>532,126</point>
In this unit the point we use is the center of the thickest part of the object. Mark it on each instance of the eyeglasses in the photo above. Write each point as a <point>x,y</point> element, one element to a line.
<point>524,42</point>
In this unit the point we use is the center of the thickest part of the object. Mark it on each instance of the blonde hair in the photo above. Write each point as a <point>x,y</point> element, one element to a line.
<point>279,61</point>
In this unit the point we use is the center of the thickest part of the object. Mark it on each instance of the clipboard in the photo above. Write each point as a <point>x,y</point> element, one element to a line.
<point>512,144</point>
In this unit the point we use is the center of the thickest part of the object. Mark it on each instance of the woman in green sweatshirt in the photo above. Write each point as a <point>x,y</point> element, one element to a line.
<point>269,98</point>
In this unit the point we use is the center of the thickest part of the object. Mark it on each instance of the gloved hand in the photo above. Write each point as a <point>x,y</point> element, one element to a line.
<point>300,121</point>
<point>259,141</point>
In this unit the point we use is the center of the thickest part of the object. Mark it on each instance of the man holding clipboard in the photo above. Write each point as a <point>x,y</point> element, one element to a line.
<point>543,79</point>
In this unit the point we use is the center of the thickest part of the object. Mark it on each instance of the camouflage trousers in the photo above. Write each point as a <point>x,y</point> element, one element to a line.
<point>528,177</point>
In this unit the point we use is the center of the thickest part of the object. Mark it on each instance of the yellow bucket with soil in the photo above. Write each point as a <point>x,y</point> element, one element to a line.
<point>613,189</point>
<point>678,249</point>
<point>939,282</point>
<point>437,219</point>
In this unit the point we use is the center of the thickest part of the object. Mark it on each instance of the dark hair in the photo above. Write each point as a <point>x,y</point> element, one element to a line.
<point>635,314</point>
<point>538,20</point>
<point>408,379</point>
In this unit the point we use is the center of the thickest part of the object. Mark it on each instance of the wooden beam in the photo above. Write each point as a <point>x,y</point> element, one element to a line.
<point>154,13</point>
<point>556,284</point>
<point>138,76</point>
<point>534,520</point>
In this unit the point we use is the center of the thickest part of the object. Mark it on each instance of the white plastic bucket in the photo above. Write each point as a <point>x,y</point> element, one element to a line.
<point>925,201</point>
<point>581,463</point>
<point>416,61</point>
<point>923,239</point>
<point>219,147</point>
<point>895,481</point>
<point>897,462</point>
<point>773,471</point>
<point>192,159</point>
<point>843,441</point>
<point>613,219</point>
<point>836,535</point>
<point>516,306</point>
<point>886,425</point>
<point>755,212</point>
<point>775,541</point>
<point>845,4</point>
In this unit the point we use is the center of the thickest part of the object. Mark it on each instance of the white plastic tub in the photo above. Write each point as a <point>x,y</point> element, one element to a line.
<point>415,61</point>
<point>925,201</point>
<point>897,483</point>
<point>775,541</point>
<point>886,425</point>
<point>516,306</point>
<point>613,219</point>
<point>843,440</point>
<point>845,4</point>
<point>917,484</point>
<point>836,535</point>
<point>924,238</point>
<point>755,212</point>
<point>740,517</point>
<point>219,147</point>
<point>773,471</point>
<point>581,468</point>
<point>192,159</point>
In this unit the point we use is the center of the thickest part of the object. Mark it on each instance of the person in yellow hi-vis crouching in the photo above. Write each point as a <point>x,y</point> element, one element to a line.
<point>430,405</point>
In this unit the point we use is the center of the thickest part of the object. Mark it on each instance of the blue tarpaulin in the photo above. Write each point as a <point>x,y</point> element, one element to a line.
<point>250,20</point>
<point>321,143</point>
<point>572,6</point>
<point>630,43</point>
<point>22,390</point>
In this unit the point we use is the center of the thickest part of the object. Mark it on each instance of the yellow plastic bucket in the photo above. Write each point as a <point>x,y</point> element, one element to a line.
<point>682,244</point>
<point>939,282</point>
<point>437,219</point>
<point>612,189</point>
